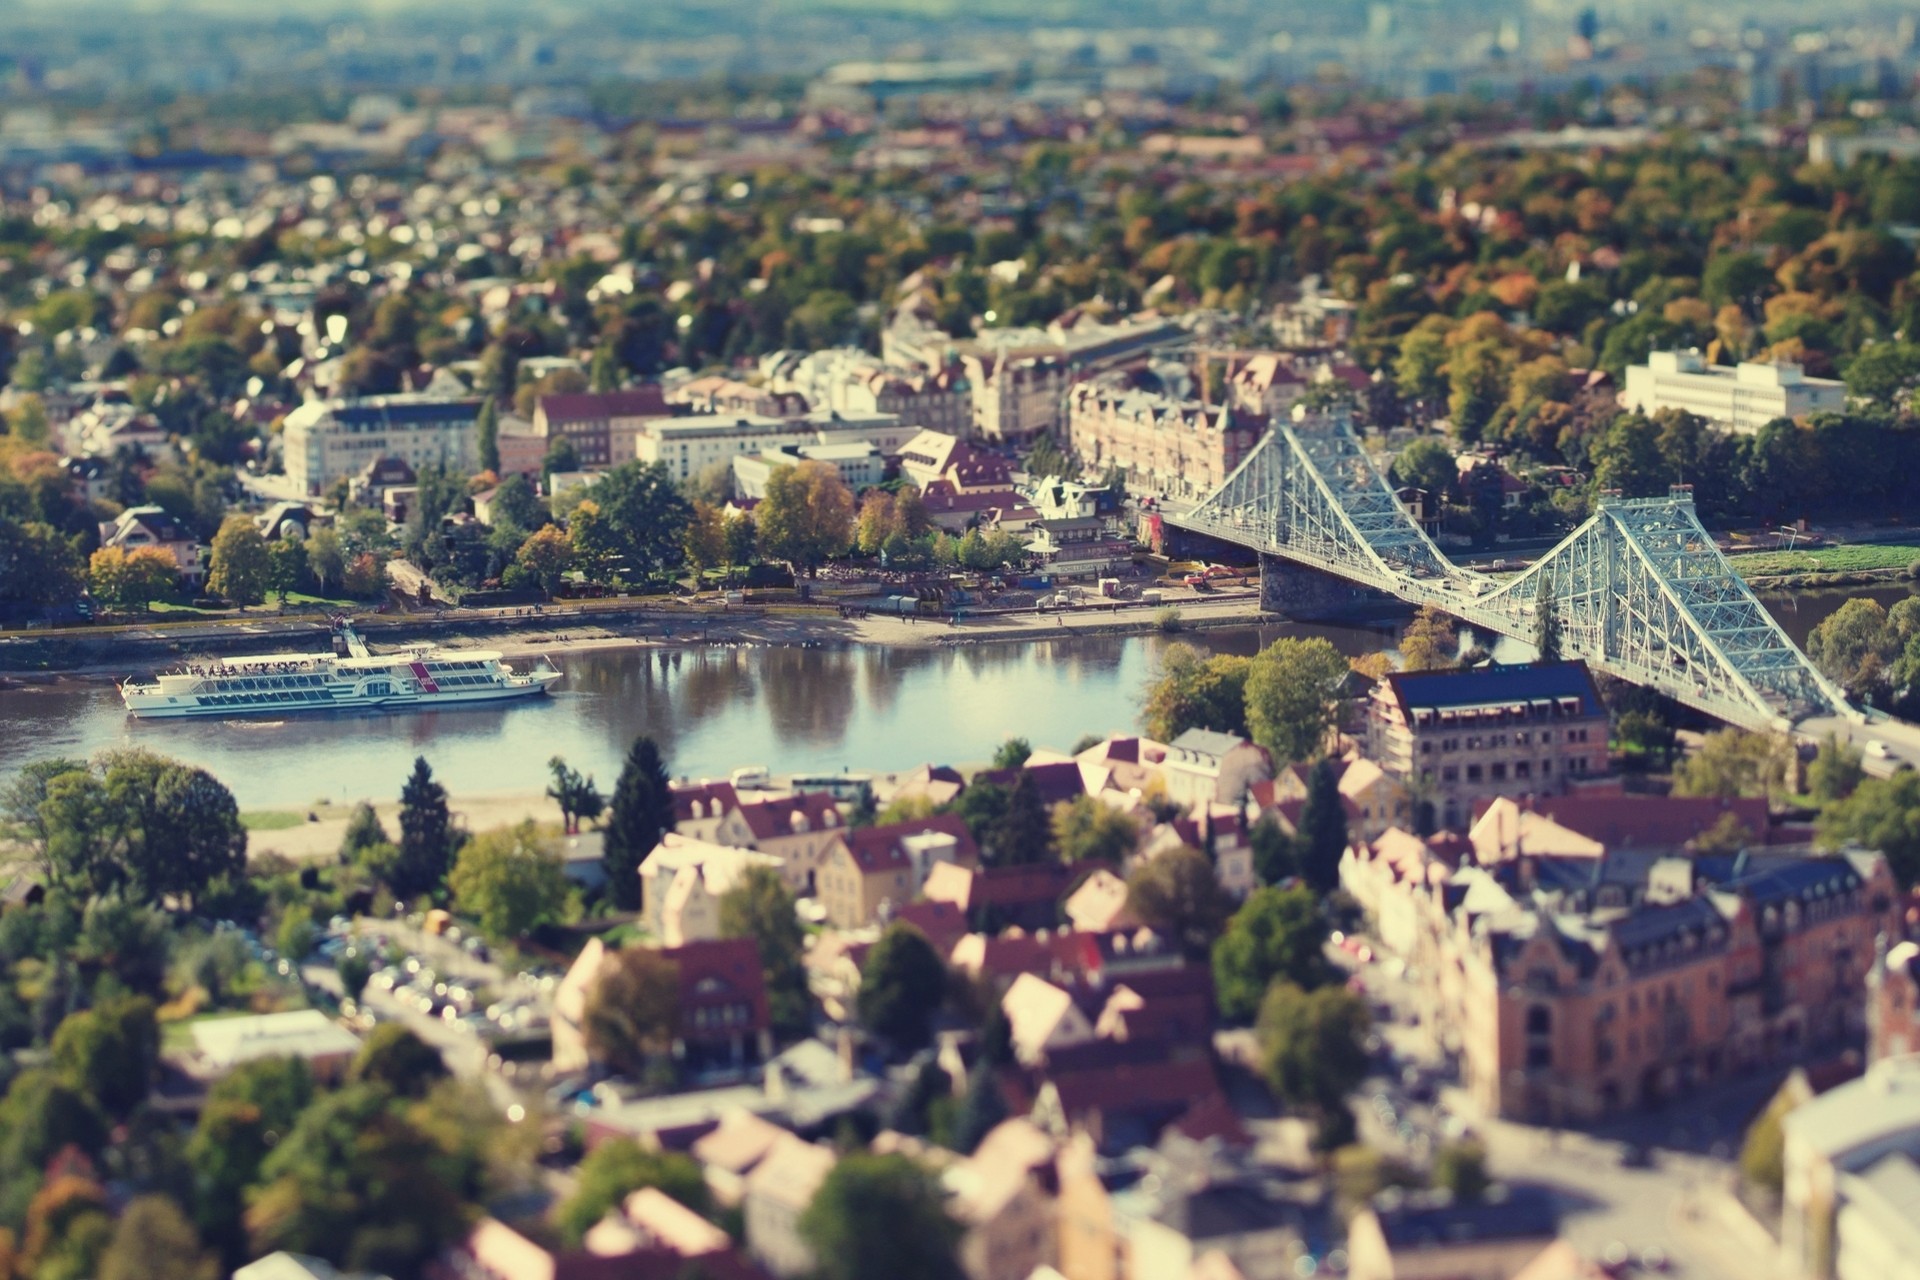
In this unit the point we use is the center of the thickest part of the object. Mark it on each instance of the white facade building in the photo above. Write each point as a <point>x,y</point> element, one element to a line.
<point>858,463</point>
<point>328,439</point>
<point>688,446</point>
<point>1743,399</point>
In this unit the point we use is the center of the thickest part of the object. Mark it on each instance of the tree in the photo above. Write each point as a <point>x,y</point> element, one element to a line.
<point>1837,770</point>
<point>806,516</point>
<point>286,566</point>
<point>760,906</point>
<point>358,1183</point>
<point>1883,814</point>
<point>1461,1169</point>
<point>1322,836</point>
<point>575,793</point>
<point>902,986</point>
<point>427,837</point>
<point>240,562</point>
<point>363,832</point>
<point>154,1241</point>
<point>562,456</point>
<point>633,1010</point>
<point>881,1217</point>
<point>67,1230</point>
<point>38,564</point>
<point>1546,621</point>
<point>1012,753</point>
<point>983,1107</point>
<point>875,523</point>
<point>363,576</point>
<point>486,433</point>
<point>740,539</point>
<point>1274,856</point>
<point>1853,640</point>
<point>643,517</point>
<point>1728,835</point>
<point>510,880</point>
<point>326,559</point>
<point>546,556</point>
<point>1277,934</point>
<point>1293,696</point>
<point>516,504</point>
<point>246,1113</point>
<point>706,538</point>
<point>1426,464</point>
<point>110,1052</point>
<point>1731,763</point>
<point>1197,692</point>
<point>1085,830</point>
<point>398,1061</point>
<point>615,1170</point>
<point>1313,1049</point>
<point>107,577</point>
<point>1429,643</point>
<point>640,813</point>
<point>1022,835</point>
<point>1176,894</point>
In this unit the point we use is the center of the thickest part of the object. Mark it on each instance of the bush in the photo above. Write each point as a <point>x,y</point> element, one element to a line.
<point>1168,620</point>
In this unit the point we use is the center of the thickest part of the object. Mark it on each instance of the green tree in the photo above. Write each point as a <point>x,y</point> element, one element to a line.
<point>427,835</point>
<point>1085,830</point>
<point>632,1012</point>
<point>286,566</point>
<point>1429,642</point>
<point>1274,855</point>
<point>575,793</point>
<point>740,539</point>
<point>615,1170</point>
<point>38,564</point>
<point>1293,697</point>
<point>1837,770</point>
<point>1277,934</point>
<point>510,880</point>
<point>397,1061</point>
<point>1177,895</point>
<point>1733,762</point>
<point>1012,753</point>
<point>360,1184</point>
<point>902,986</point>
<point>1022,835</point>
<point>706,538</point>
<point>881,1218</point>
<point>1883,814</point>
<point>983,1107</point>
<point>806,516</point>
<point>154,1241</point>
<point>1853,642</point>
<point>1426,464</point>
<point>545,557</point>
<point>640,812</point>
<point>1322,836</point>
<point>1194,691</point>
<point>110,1052</point>
<point>1313,1049</point>
<point>41,1115</point>
<point>486,433</point>
<point>761,907</point>
<point>363,832</point>
<point>241,567</point>
<point>326,559</point>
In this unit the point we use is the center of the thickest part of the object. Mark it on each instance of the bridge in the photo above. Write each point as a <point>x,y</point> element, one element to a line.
<point>1639,590</point>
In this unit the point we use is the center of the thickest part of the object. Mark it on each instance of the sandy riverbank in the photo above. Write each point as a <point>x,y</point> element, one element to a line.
<point>320,836</point>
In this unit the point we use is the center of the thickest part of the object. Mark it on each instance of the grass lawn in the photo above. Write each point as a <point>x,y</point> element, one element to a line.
<point>272,819</point>
<point>1848,559</point>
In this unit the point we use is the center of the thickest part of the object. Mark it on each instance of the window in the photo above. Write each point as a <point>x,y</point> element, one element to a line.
<point>1539,1020</point>
<point>1539,1057</point>
<point>1473,773</point>
<point>1450,773</point>
<point>1522,769</point>
<point>1499,772</point>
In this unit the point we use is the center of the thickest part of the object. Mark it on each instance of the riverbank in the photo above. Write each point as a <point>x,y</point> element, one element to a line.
<point>522,633</point>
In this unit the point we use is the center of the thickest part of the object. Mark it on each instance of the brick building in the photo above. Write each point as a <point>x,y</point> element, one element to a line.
<point>1174,448</point>
<point>601,425</point>
<point>1487,732</point>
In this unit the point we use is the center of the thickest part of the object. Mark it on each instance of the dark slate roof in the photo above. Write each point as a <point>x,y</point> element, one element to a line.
<point>402,413</point>
<point>643,401</point>
<point>1493,685</point>
<point>1518,1213</point>
<point>1801,880</point>
<point>1226,1210</point>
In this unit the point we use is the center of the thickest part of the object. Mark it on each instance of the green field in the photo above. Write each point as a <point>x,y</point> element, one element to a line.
<point>1858,558</point>
<point>271,819</point>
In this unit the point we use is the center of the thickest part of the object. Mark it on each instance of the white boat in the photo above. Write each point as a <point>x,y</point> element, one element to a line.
<point>416,676</point>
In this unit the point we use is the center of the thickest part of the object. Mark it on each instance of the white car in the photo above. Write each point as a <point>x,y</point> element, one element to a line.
<point>1878,749</point>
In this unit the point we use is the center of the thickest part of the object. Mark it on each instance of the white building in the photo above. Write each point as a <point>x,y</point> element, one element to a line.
<point>1852,1179</point>
<point>1742,399</point>
<point>858,463</point>
<point>688,446</point>
<point>328,439</point>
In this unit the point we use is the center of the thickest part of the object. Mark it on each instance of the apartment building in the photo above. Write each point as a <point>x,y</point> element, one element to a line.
<point>850,381</point>
<point>1477,734</point>
<point>326,440</point>
<point>860,465</point>
<point>1016,398</point>
<point>688,446</point>
<point>602,426</point>
<point>1742,399</point>
<point>1167,447</point>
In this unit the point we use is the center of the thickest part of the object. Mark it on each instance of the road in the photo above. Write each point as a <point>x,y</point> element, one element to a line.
<point>1901,740</point>
<point>1603,1203</point>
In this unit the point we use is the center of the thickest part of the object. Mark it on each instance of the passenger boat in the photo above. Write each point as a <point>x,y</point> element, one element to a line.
<point>409,678</point>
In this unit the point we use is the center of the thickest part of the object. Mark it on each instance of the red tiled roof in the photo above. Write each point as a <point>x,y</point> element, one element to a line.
<point>1648,822</point>
<point>942,922</point>
<point>709,794</point>
<point>879,848</point>
<point>1024,886</point>
<point>646,401</point>
<point>1058,781</point>
<point>716,973</point>
<point>773,818</point>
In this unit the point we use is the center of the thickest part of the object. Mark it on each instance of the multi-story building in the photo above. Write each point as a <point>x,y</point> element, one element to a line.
<point>325,440</point>
<point>1851,1179</point>
<point>138,527</point>
<point>688,446</point>
<point>1462,736</point>
<point>728,396</point>
<point>1016,398</point>
<point>601,425</point>
<point>860,465</point>
<point>1172,448</point>
<point>930,456</point>
<point>1893,1002</point>
<point>1742,399</point>
<point>1571,990</point>
<point>854,382</point>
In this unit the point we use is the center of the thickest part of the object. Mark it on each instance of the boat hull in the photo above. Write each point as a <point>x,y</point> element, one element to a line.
<point>156,708</point>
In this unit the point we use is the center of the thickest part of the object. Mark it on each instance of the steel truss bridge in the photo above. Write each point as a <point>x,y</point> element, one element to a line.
<point>1639,590</point>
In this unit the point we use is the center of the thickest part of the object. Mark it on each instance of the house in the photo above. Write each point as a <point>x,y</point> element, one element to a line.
<point>1122,1093</point>
<point>722,1018</point>
<point>870,872</point>
<point>1099,905</point>
<point>699,808</point>
<point>1002,1196</point>
<point>1437,1238</point>
<point>152,526</point>
<point>1851,1165</point>
<point>732,1150</point>
<point>1477,734</point>
<point>370,485</point>
<point>1195,1203</point>
<point>296,1266</point>
<point>778,1191</point>
<point>797,829</point>
<point>325,440</point>
<point>1893,1002</point>
<point>682,881</point>
<point>658,1221</point>
<point>1742,399</point>
<point>1591,822</point>
<point>1203,767</point>
<point>931,456</point>
<point>616,1249</point>
<point>289,520</point>
<point>221,1044</point>
<point>1042,1017</point>
<point>937,784</point>
<point>998,897</point>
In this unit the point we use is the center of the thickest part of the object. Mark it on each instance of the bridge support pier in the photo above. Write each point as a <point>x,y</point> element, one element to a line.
<point>1299,593</point>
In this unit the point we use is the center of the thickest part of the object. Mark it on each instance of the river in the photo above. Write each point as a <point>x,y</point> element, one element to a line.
<point>711,709</point>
